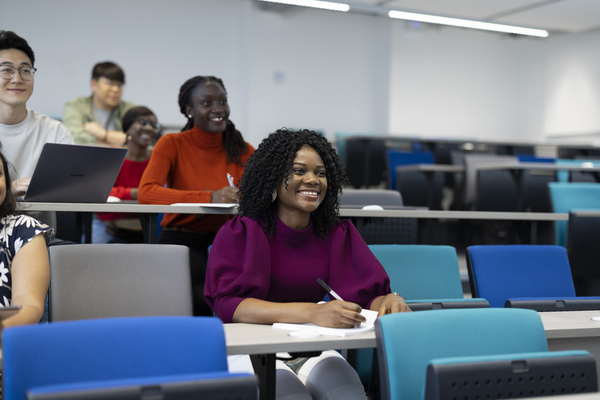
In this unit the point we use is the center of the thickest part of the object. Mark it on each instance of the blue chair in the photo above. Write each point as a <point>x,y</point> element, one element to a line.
<point>539,275</point>
<point>108,354</point>
<point>567,196</point>
<point>397,157</point>
<point>408,342</point>
<point>533,158</point>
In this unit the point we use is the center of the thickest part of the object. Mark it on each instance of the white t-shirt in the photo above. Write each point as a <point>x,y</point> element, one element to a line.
<point>22,143</point>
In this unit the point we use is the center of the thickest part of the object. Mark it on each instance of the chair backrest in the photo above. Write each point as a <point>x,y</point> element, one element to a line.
<point>500,272</point>
<point>118,280</point>
<point>534,185</point>
<point>105,349</point>
<point>421,271</point>
<point>366,197</point>
<point>471,162</point>
<point>380,230</point>
<point>567,196</point>
<point>508,376</point>
<point>397,157</point>
<point>364,159</point>
<point>407,342</point>
<point>495,190</point>
<point>584,252</point>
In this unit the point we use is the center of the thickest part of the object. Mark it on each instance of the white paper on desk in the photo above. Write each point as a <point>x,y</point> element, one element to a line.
<point>366,326</point>
<point>212,205</point>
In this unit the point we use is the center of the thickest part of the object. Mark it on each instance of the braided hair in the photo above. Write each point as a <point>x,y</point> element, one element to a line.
<point>233,141</point>
<point>271,164</point>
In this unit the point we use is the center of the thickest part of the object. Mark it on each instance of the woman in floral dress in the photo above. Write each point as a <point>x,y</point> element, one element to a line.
<point>24,265</point>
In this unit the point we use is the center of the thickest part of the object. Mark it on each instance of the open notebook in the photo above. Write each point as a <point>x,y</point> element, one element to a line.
<point>366,326</point>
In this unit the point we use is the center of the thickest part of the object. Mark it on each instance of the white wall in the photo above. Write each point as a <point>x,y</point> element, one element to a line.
<point>316,69</point>
<point>449,82</point>
<point>573,86</point>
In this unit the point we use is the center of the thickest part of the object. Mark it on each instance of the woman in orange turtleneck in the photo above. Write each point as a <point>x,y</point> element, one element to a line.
<point>194,164</point>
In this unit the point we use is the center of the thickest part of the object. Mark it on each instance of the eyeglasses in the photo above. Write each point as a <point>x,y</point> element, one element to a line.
<point>144,123</point>
<point>8,71</point>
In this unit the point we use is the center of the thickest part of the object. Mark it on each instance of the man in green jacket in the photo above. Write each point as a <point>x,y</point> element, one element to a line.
<point>96,119</point>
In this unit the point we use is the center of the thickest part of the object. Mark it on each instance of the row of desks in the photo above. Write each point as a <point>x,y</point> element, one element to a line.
<point>149,212</point>
<point>154,209</point>
<point>566,330</point>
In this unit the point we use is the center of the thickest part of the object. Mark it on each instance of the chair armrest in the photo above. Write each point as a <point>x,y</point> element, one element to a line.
<point>555,304</point>
<point>441,304</point>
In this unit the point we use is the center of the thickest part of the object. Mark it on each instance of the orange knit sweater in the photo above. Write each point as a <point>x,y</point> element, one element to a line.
<point>192,164</point>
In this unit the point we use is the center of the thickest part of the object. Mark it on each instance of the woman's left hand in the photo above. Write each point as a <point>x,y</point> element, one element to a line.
<point>389,304</point>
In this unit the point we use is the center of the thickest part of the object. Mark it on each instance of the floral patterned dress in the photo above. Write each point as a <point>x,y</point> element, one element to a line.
<point>15,231</point>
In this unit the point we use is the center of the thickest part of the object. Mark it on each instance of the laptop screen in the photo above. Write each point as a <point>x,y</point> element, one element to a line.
<point>67,173</point>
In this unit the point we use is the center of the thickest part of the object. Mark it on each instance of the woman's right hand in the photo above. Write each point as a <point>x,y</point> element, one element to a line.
<point>226,195</point>
<point>338,314</point>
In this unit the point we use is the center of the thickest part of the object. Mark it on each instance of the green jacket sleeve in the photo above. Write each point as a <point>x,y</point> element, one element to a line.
<point>76,113</point>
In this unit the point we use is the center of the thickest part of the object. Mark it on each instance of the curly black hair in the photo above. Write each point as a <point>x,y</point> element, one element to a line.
<point>9,204</point>
<point>233,141</point>
<point>271,163</point>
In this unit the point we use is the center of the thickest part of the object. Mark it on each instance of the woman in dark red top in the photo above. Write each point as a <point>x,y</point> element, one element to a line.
<point>142,129</point>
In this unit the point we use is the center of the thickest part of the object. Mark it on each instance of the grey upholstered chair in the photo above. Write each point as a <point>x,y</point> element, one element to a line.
<point>119,280</point>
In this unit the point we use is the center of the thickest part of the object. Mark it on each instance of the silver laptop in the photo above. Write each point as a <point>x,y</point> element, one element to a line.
<point>68,173</point>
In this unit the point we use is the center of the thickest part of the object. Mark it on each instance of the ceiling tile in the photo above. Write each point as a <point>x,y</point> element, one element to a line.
<point>554,15</point>
<point>567,15</point>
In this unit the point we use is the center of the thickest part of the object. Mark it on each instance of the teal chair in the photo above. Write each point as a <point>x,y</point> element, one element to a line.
<point>567,196</point>
<point>423,273</point>
<point>427,276</point>
<point>408,342</point>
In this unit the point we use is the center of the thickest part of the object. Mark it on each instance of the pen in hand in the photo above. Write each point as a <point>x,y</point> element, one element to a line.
<point>328,289</point>
<point>230,179</point>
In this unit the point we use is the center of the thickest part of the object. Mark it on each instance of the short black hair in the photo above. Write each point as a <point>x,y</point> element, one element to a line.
<point>10,40</point>
<point>108,70</point>
<point>272,162</point>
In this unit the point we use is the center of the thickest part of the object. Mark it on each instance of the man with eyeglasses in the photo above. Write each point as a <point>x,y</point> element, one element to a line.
<point>96,119</point>
<point>23,132</point>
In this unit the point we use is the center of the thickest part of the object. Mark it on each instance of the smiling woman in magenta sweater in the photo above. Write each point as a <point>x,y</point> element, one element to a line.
<point>264,264</point>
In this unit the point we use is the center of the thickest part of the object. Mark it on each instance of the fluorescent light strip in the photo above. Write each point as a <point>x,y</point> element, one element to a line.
<point>465,23</point>
<point>326,5</point>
